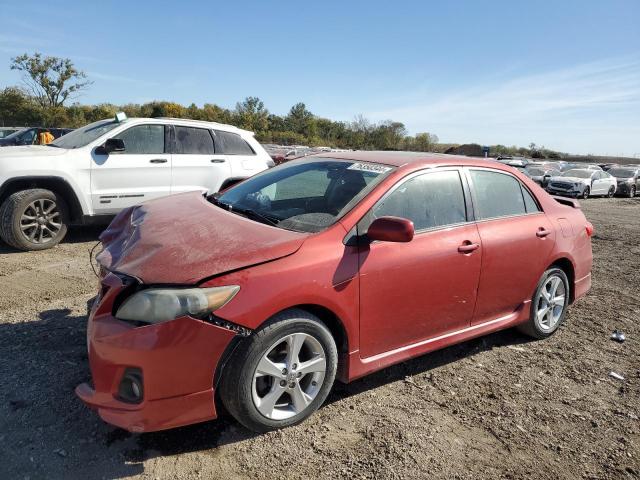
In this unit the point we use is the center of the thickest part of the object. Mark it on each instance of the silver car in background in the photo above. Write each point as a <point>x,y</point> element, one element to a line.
<point>582,183</point>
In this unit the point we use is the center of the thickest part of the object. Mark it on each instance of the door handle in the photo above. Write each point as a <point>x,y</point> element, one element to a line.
<point>158,160</point>
<point>543,232</point>
<point>217,160</point>
<point>468,247</point>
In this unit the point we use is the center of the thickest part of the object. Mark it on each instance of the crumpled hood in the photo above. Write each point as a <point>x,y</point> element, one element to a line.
<point>31,151</point>
<point>182,239</point>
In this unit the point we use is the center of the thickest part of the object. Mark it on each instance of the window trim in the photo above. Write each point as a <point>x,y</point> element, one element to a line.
<point>469,213</point>
<point>164,138</point>
<point>467,172</point>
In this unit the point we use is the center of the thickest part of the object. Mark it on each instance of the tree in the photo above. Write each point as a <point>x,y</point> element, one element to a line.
<point>51,80</point>
<point>300,120</point>
<point>17,108</point>
<point>251,115</point>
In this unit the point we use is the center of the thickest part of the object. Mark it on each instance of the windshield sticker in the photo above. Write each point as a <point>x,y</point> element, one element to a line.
<point>369,167</point>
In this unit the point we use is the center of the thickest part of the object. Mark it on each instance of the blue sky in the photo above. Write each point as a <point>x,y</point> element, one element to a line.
<point>564,74</point>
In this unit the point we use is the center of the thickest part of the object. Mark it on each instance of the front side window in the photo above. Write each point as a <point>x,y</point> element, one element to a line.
<point>143,139</point>
<point>194,141</point>
<point>496,195</point>
<point>430,200</point>
<point>232,144</point>
<point>303,196</point>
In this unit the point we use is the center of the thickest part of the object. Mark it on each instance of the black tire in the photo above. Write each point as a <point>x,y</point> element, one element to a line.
<point>236,387</point>
<point>11,220</point>
<point>611,192</point>
<point>632,191</point>
<point>533,327</point>
<point>585,193</point>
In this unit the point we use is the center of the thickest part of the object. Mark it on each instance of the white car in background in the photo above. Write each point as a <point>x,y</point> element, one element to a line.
<point>92,173</point>
<point>582,183</point>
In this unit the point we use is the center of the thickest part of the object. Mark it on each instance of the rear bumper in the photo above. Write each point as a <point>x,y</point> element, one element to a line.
<point>582,286</point>
<point>177,361</point>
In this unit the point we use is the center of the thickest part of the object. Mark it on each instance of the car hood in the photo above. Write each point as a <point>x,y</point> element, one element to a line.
<point>30,151</point>
<point>183,239</point>
<point>570,179</point>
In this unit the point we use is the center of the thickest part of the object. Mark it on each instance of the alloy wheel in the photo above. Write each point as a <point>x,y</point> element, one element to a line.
<point>612,190</point>
<point>289,376</point>
<point>550,303</point>
<point>632,191</point>
<point>41,222</point>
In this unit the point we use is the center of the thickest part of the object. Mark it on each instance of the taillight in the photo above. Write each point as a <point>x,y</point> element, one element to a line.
<point>589,228</point>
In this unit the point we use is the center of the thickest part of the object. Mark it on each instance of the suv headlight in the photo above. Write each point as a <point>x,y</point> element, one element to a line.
<point>157,305</point>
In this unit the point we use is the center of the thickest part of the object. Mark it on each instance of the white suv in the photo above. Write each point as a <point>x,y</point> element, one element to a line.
<point>92,173</point>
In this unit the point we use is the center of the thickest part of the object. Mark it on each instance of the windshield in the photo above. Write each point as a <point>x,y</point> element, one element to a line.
<point>85,135</point>
<point>304,196</point>
<point>578,173</point>
<point>621,172</point>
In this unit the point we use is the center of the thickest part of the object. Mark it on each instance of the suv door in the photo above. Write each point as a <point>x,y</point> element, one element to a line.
<point>139,173</point>
<point>413,291</point>
<point>196,165</point>
<point>517,239</point>
<point>243,161</point>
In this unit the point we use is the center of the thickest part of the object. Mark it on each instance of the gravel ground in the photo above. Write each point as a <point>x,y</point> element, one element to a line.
<point>497,407</point>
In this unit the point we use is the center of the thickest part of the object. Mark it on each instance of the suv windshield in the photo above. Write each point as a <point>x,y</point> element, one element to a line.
<point>85,135</point>
<point>578,173</point>
<point>621,172</point>
<point>304,196</point>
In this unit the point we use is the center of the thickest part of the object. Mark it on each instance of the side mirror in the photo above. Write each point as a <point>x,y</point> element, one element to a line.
<point>391,229</point>
<point>113,145</point>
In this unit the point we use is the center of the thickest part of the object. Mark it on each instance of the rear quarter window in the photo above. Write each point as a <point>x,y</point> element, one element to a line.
<point>229,143</point>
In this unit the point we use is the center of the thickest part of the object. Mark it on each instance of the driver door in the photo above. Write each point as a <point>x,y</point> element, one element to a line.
<point>140,173</point>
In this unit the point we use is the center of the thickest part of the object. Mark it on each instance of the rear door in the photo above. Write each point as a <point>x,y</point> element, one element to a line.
<point>517,239</point>
<point>140,173</point>
<point>243,160</point>
<point>196,163</point>
<point>413,291</point>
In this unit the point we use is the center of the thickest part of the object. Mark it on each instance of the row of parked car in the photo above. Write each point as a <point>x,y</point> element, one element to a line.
<point>580,179</point>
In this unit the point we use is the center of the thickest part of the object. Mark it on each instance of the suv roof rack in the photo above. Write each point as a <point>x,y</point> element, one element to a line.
<point>193,120</point>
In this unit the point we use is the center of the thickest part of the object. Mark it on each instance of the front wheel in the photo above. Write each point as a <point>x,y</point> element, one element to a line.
<point>548,305</point>
<point>611,191</point>
<point>34,219</point>
<point>281,374</point>
<point>585,193</point>
<point>632,191</point>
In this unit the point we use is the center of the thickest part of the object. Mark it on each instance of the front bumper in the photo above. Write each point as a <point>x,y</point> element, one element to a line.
<point>623,189</point>
<point>564,193</point>
<point>178,360</point>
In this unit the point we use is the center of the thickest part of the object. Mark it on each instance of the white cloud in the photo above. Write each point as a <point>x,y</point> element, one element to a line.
<point>588,108</point>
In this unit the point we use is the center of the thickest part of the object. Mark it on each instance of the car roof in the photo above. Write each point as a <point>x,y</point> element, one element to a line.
<point>189,122</point>
<point>401,159</point>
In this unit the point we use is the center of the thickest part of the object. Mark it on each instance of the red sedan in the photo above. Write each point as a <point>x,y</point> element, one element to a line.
<point>330,267</point>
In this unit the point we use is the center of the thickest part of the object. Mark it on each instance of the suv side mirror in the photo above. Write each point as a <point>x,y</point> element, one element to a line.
<point>391,229</point>
<point>113,145</point>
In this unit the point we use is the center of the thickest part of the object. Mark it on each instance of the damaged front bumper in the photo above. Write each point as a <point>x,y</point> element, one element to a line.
<point>176,361</point>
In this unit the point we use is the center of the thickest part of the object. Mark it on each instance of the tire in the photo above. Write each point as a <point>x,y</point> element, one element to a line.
<point>249,395</point>
<point>611,192</point>
<point>585,193</point>
<point>632,191</point>
<point>543,326</point>
<point>48,211</point>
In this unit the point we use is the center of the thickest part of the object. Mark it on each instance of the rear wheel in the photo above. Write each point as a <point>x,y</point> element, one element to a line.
<point>548,305</point>
<point>34,219</point>
<point>611,191</point>
<point>281,374</point>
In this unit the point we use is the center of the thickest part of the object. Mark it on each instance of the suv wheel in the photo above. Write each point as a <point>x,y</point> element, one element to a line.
<point>33,219</point>
<point>281,374</point>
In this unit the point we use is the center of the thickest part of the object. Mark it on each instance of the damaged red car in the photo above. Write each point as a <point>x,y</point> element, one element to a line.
<point>326,268</point>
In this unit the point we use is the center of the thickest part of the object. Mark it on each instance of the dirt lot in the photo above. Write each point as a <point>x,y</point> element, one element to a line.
<point>498,407</point>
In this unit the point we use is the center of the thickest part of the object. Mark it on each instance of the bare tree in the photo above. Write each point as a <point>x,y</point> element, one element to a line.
<point>51,80</point>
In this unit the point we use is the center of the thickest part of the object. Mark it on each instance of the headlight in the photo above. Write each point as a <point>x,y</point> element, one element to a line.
<point>157,305</point>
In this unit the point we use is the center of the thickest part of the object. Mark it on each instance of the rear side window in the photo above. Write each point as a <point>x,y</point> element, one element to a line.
<point>232,144</point>
<point>497,195</point>
<point>431,200</point>
<point>143,139</point>
<point>529,203</point>
<point>194,141</point>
